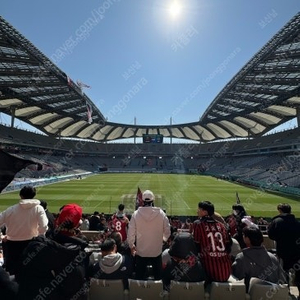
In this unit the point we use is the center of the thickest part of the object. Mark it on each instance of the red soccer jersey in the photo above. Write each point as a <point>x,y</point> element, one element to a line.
<point>213,240</point>
<point>231,221</point>
<point>120,225</point>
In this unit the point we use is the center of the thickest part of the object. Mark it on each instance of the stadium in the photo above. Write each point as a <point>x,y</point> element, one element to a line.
<point>230,155</point>
<point>230,142</point>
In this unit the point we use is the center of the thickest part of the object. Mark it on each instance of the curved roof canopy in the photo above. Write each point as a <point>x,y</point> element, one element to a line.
<point>263,95</point>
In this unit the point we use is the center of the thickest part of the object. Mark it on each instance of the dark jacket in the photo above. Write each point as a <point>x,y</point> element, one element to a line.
<point>256,262</point>
<point>184,264</point>
<point>51,270</point>
<point>77,281</point>
<point>51,222</point>
<point>285,230</point>
<point>8,287</point>
<point>94,222</point>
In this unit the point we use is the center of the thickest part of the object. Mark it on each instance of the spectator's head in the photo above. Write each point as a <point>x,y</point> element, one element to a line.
<point>84,216</point>
<point>239,210</point>
<point>108,246</point>
<point>284,208</point>
<point>70,216</point>
<point>148,198</point>
<point>27,192</point>
<point>120,213</point>
<point>252,236</point>
<point>44,204</point>
<point>206,208</point>
<point>183,246</point>
<point>96,213</point>
<point>121,207</point>
<point>117,236</point>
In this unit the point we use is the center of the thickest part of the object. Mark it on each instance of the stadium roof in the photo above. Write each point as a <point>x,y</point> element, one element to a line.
<point>263,95</point>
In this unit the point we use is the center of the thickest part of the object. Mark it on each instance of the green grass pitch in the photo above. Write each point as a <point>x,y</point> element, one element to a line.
<point>177,194</point>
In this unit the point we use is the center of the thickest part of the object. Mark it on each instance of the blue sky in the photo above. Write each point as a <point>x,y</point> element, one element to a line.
<point>140,59</point>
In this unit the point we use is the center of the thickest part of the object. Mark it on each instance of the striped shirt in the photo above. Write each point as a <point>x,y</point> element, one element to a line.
<point>214,243</point>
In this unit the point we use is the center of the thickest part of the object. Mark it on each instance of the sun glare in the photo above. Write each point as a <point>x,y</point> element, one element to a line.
<point>175,9</point>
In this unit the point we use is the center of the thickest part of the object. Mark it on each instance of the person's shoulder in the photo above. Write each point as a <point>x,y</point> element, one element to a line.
<point>133,216</point>
<point>40,207</point>
<point>241,254</point>
<point>207,219</point>
<point>10,208</point>
<point>277,218</point>
<point>162,211</point>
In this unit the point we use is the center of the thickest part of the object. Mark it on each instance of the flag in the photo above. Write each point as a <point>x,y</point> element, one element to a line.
<point>10,165</point>
<point>89,113</point>
<point>139,199</point>
<point>238,201</point>
<point>82,85</point>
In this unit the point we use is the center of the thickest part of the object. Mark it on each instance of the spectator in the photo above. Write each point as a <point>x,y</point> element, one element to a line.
<point>184,264</point>
<point>233,220</point>
<point>112,265</point>
<point>67,233</point>
<point>214,244</point>
<point>67,230</point>
<point>85,225</point>
<point>175,222</point>
<point>103,224</point>
<point>52,271</point>
<point>235,223</point>
<point>51,218</point>
<point>121,208</point>
<point>122,247</point>
<point>187,225</point>
<point>165,256</point>
<point>255,260</point>
<point>95,221</point>
<point>148,228</point>
<point>120,222</point>
<point>263,225</point>
<point>285,230</point>
<point>23,221</point>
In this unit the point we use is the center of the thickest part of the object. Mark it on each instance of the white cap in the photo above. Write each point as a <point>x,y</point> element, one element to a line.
<point>148,196</point>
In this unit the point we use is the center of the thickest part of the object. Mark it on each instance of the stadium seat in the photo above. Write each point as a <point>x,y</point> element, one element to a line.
<point>187,290</point>
<point>107,289</point>
<point>145,290</point>
<point>265,290</point>
<point>227,290</point>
